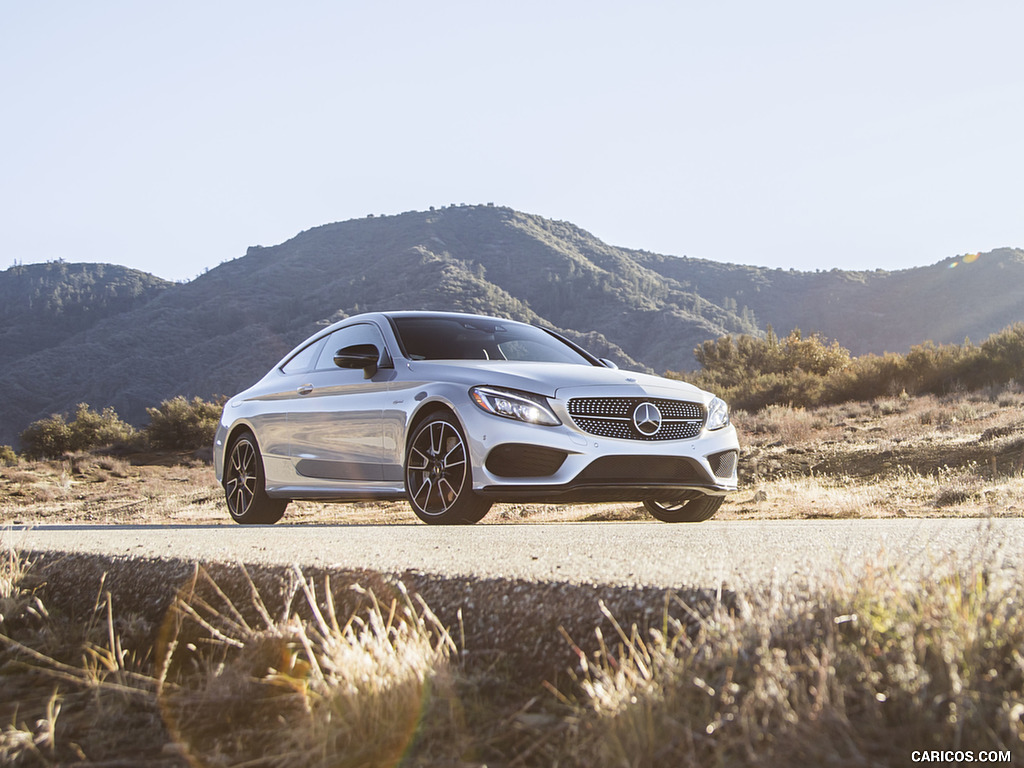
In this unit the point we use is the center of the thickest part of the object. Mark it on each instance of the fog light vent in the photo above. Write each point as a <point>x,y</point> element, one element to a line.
<point>521,460</point>
<point>723,464</point>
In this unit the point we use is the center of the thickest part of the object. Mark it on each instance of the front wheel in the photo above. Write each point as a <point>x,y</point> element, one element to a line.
<point>438,475</point>
<point>692,511</point>
<point>245,485</point>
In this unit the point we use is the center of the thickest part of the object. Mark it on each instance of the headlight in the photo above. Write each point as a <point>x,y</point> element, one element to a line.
<point>520,406</point>
<point>718,414</point>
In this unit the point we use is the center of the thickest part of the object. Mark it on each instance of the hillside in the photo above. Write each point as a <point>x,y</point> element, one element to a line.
<point>868,312</point>
<point>221,331</point>
<point>43,304</point>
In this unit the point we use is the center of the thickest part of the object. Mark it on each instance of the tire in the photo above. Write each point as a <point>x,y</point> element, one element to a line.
<point>438,475</point>
<point>245,484</point>
<point>692,511</point>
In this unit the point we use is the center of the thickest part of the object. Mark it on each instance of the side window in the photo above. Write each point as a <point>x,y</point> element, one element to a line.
<point>363,333</point>
<point>303,359</point>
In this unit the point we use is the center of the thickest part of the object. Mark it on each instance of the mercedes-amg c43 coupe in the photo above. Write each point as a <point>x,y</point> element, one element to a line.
<point>455,412</point>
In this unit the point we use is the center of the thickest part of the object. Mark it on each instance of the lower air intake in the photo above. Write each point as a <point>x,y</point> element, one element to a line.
<point>723,464</point>
<point>519,460</point>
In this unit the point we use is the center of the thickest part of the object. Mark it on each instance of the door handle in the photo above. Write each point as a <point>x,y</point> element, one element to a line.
<point>305,389</point>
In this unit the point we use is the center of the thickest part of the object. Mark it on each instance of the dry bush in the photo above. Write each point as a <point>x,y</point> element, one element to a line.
<point>785,423</point>
<point>1010,397</point>
<point>890,405</point>
<point>8,458</point>
<point>117,467</point>
<point>23,743</point>
<point>19,476</point>
<point>955,487</point>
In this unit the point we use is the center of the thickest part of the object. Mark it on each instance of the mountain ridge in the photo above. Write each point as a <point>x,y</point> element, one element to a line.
<point>220,331</point>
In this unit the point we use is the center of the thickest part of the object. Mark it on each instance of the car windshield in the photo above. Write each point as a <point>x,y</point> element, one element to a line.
<point>456,338</point>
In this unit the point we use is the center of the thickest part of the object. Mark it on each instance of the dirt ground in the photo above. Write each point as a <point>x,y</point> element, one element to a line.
<point>955,456</point>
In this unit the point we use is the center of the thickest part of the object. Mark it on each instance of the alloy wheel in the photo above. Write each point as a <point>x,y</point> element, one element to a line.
<point>240,484</point>
<point>437,468</point>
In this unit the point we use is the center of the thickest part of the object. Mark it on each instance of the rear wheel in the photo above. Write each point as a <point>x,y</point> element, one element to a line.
<point>438,475</point>
<point>245,484</point>
<point>692,511</point>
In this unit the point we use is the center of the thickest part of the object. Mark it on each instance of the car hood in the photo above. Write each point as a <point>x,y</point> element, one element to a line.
<point>555,379</point>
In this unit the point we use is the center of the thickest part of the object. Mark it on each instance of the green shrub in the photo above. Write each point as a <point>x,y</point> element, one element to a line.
<point>49,437</point>
<point>91,429</point>
<point>55,435</point>
<point>1001,357</point>
<point>8,457</point>
<point>181,425</point>
<point>751,372</point>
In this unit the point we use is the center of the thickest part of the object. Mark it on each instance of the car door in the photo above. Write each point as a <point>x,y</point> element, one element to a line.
<point>334,423</point>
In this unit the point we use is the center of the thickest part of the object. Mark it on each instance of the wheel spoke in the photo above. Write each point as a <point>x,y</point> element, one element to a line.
<point>239,504</point>
<point>427,484</point>
<point>454,448</point>
<point>423,458</point>
<point>452,494</point>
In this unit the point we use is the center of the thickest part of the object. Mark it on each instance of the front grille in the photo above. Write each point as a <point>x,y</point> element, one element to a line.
<point>613,417</point>
<point>638,470</point>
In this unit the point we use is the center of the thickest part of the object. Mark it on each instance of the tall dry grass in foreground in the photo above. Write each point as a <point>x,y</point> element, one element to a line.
<point>846,672</point>
<point>853,675</point>
<point>304,688</point>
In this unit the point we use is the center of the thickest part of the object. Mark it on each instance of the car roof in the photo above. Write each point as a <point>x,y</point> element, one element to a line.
<point>386,317</point>
<point>442,314</point>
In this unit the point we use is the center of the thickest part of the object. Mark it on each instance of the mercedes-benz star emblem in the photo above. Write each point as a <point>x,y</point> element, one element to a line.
<point>647,419</point>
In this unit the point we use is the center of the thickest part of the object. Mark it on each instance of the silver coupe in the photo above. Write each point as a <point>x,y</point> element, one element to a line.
<point>455,412</point>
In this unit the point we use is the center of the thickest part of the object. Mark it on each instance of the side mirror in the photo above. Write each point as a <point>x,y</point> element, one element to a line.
<point>365,356</point>
<point>607,363</point>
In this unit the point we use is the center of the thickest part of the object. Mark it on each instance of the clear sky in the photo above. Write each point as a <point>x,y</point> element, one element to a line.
<point>171,136</point>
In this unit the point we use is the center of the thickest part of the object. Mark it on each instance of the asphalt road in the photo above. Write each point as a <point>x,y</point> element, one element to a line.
<point>729,553</point>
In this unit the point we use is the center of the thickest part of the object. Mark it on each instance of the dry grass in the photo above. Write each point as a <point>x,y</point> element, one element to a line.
<point>848,675</point>
<point>958,456</point>
<point>832,672</point>
<point>52,665</point>
<point>17,600</point>
<point>234,684</point>
<point>300,691</point>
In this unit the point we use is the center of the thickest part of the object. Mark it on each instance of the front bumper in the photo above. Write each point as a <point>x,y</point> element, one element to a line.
<point>516,461</point>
